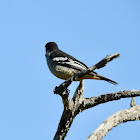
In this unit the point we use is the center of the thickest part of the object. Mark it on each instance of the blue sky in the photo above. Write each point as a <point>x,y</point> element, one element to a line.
<point>88,30</point>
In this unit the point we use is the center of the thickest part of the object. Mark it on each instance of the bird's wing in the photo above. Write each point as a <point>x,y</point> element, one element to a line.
<point>67,60</point>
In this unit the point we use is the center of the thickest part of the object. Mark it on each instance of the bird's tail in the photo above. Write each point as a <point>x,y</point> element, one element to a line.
<point>96,76</point>
<point>106,79</point>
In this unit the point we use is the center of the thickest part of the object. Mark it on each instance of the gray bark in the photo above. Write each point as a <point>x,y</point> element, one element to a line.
<point>71,109</point>
<point>78,103</point>
<point>122,116</point>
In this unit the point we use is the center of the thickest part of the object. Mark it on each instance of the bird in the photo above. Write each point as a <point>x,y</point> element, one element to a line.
<point>64,66</point>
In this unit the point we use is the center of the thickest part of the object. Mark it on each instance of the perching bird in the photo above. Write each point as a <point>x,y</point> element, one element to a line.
<point>64,66</point>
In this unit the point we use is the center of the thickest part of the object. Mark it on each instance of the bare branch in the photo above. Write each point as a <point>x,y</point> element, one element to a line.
<point>104,61</point>
<point>71,109</point>
<point>93,101</point>
<point>122,116</point>
<point>64,125</point>
<point>79,92</point>
<point>78,103</point>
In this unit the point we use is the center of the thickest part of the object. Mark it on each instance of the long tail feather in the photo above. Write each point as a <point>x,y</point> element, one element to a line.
<point>108,80</point>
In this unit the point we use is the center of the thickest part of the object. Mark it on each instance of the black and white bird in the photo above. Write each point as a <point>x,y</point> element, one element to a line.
<point>64,66</point>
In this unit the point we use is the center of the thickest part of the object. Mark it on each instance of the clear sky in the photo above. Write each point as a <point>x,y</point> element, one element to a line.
<point>88,30</point>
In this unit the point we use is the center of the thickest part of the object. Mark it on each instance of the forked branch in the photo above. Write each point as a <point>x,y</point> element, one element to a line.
<point>78,103</point>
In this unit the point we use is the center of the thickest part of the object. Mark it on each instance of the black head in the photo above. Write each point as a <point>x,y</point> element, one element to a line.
<point>50,46</point>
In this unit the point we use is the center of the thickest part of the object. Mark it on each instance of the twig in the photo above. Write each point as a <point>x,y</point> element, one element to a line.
<point>132,102</point>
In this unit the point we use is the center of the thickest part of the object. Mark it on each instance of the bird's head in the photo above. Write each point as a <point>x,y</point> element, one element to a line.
<point>50,46</point>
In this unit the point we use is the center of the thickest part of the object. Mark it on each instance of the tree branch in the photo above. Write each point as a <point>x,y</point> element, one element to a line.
<point>93,101</point>
<point>78,103</point>
<point>104,61</point>
<point>70,111</point>
<point>122,116</point>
